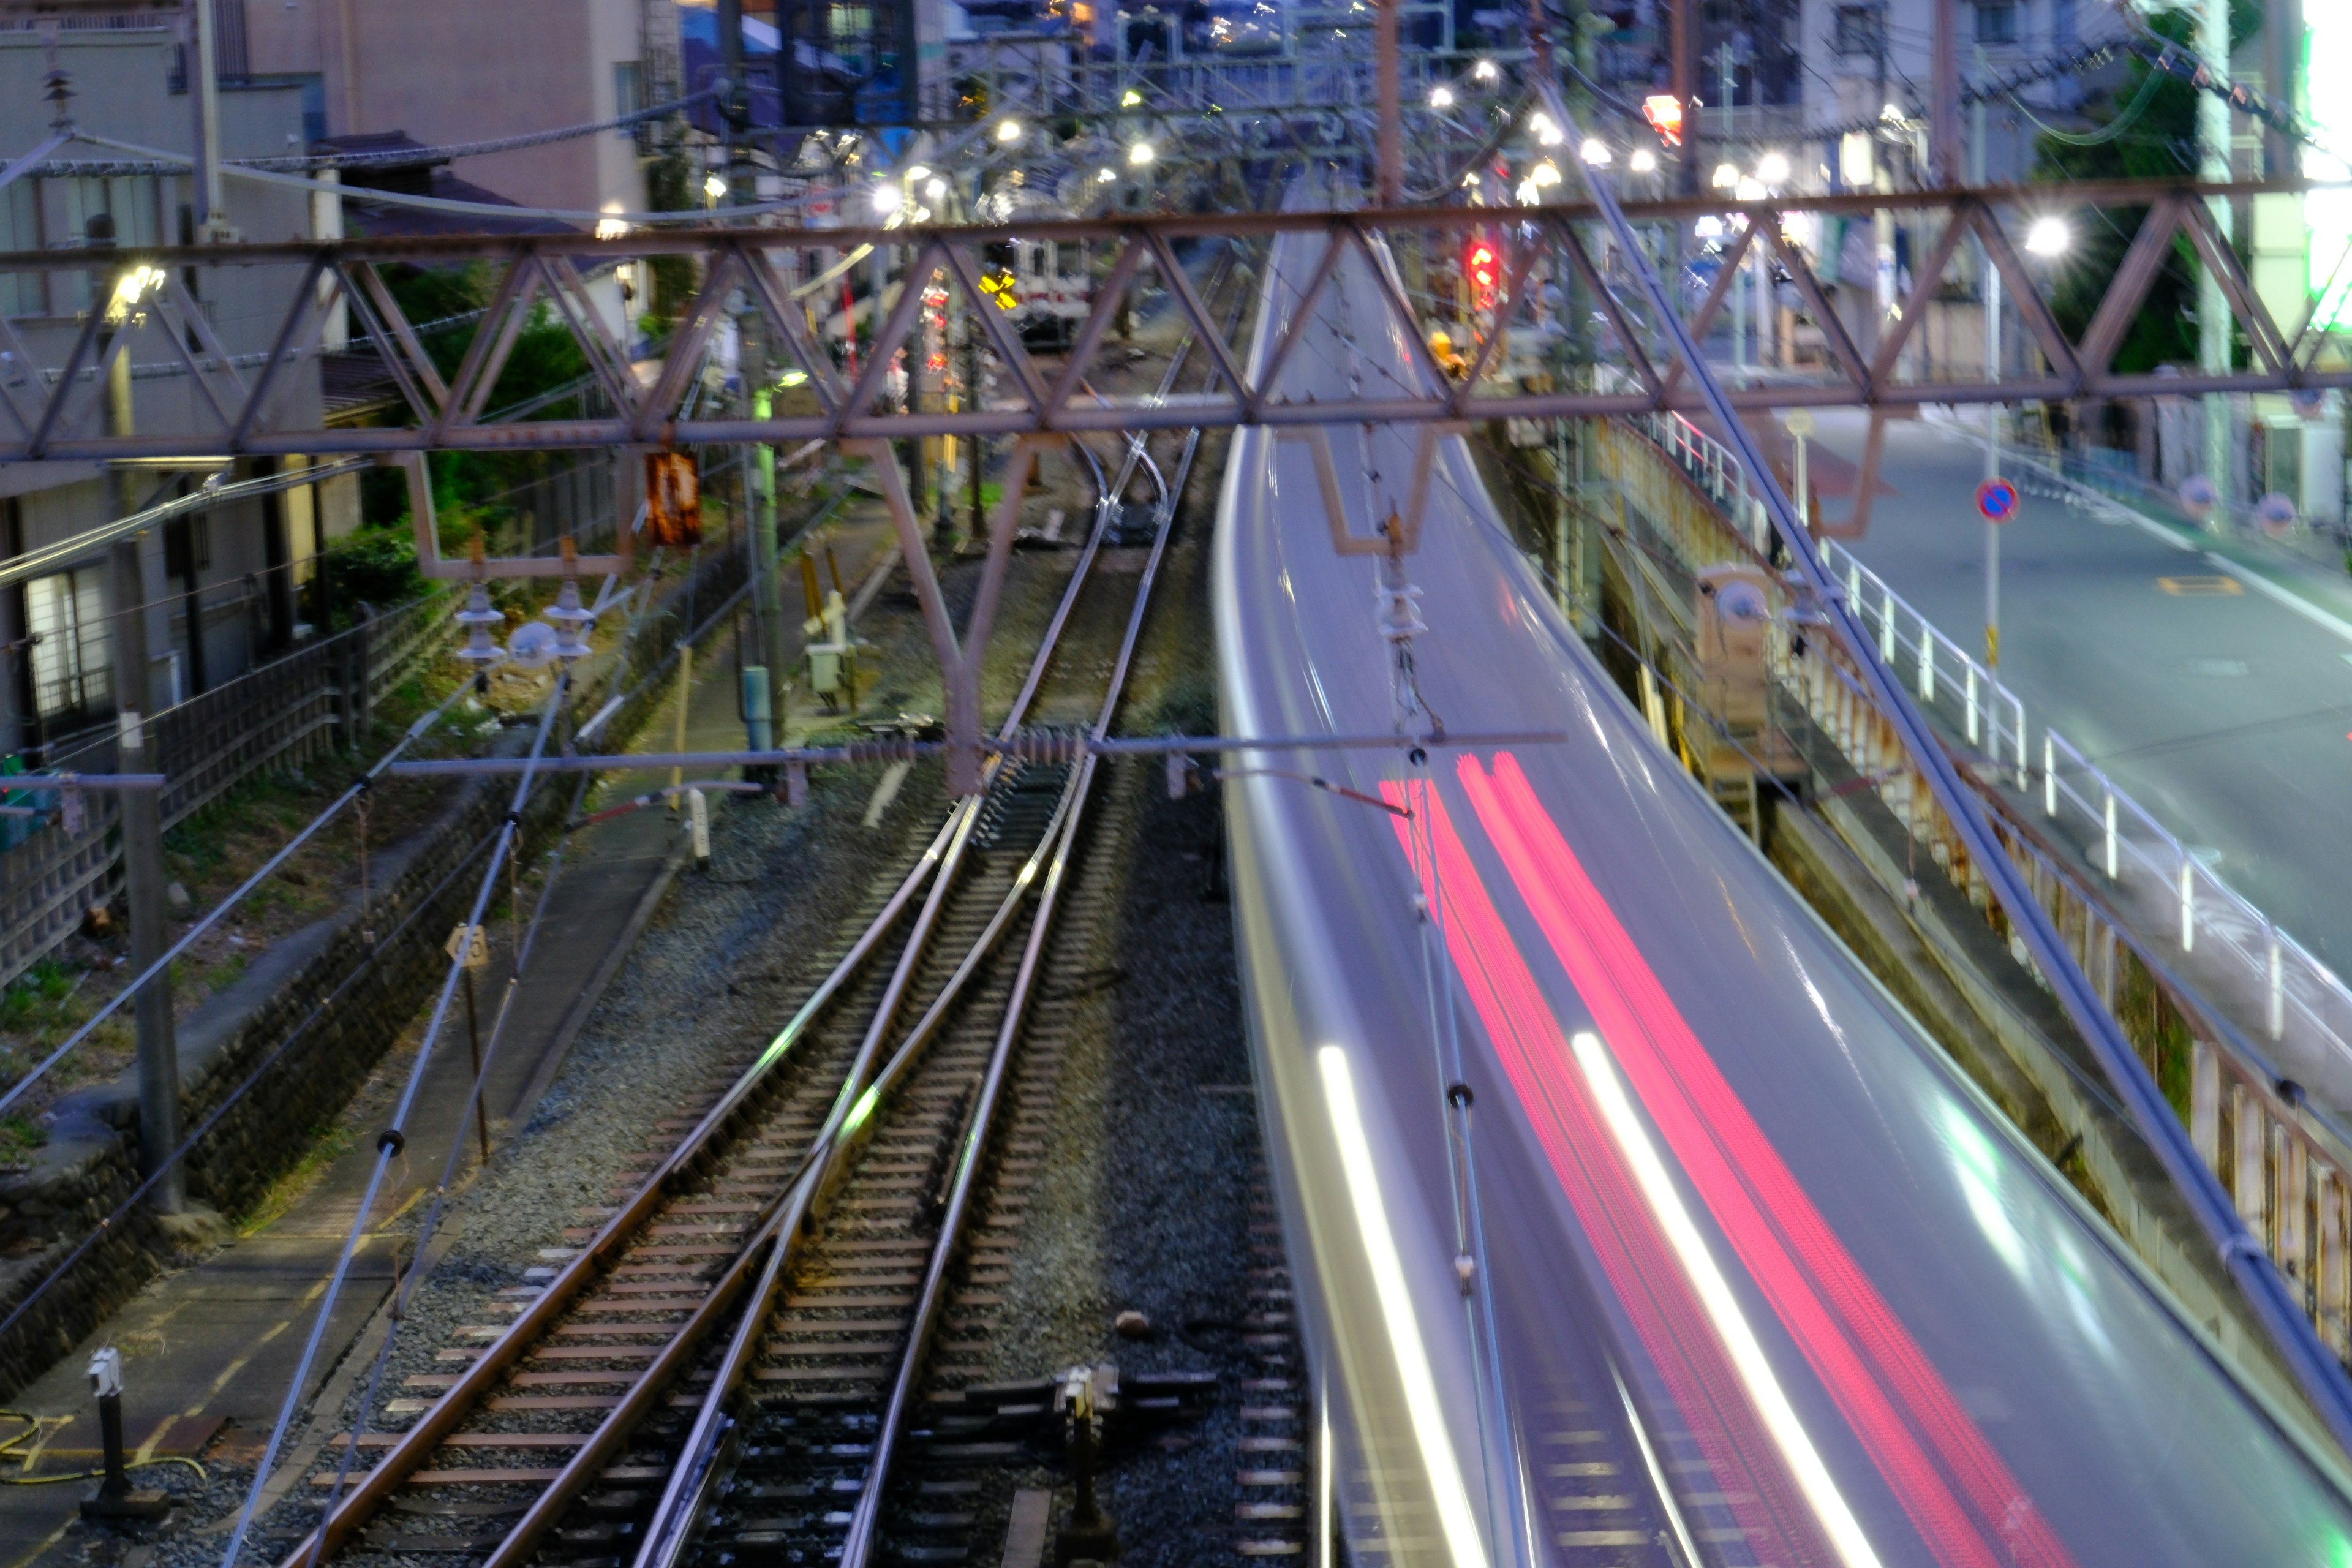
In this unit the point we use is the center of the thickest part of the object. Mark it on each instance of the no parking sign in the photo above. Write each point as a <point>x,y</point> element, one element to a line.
<point>1997,499</point>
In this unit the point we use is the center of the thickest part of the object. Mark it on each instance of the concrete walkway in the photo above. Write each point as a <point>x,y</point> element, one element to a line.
<point>210,1351</point>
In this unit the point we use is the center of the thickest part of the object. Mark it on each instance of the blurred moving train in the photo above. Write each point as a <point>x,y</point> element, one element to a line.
<point>1630,1221</point>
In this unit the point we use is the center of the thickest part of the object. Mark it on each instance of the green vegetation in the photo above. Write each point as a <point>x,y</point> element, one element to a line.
<point>2159,143</point>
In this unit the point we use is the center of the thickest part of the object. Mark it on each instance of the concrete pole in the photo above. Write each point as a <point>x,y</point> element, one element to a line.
<point>767,597</point>
<point>2213,318</point>
<point>1681,44</point>
<point>1389,105</point>
<point>142,818</point>
<point>2282,35</point>
<point>1944,105</point>
<point>203,97</point>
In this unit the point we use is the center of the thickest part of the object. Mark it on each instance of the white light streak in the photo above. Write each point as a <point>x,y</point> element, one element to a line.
<point>1721,1305</point>
<point>1419,1383</point>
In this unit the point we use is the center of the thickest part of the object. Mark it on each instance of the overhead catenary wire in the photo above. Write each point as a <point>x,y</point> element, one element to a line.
<point>2273,1304</point>
<point>389,1143</point>
<point>524,943</point>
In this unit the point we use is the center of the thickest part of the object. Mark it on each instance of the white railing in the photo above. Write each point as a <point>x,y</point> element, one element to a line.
<point>2228,946</point>
<point>1944,678</point>
<point>2229,949</point>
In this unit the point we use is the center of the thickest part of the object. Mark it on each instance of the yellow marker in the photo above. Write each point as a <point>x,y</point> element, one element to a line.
<point>2192,588</point>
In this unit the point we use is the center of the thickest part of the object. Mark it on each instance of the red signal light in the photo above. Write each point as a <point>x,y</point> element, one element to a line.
<point>1483,268</point>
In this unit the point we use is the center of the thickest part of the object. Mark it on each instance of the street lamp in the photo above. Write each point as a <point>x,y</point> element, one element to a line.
<point>1594,151</point>
<point>1140,154</point>
<point>886,200</point>
<point>1485,70</point>
<point>1772,169</point>
<point>1642,161</point>
<point>1727,176</point>
<point>1441,98</point>
<point>2048,238</point>
<point>1008,131</point>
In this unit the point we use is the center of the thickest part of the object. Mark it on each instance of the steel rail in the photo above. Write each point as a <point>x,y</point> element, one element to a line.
<point>2274,1304</point>
<point>866,1516</point>
<point>677,1517</point>
<point>935,869</point>
<point>782,1218</point>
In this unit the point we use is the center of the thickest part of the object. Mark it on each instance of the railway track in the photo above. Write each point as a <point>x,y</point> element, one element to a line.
<point>731,1360</point>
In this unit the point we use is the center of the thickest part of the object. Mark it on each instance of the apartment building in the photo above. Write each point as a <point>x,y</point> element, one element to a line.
<point>449,71</point>
<point>222,589</point>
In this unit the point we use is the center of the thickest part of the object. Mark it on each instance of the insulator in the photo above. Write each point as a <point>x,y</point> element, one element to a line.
<point>477,618</point>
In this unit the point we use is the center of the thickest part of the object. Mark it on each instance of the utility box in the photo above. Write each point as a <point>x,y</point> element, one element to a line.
<point>1733,633</point>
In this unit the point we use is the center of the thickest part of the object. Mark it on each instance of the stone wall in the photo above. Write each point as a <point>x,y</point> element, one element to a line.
<point>306,1023</point>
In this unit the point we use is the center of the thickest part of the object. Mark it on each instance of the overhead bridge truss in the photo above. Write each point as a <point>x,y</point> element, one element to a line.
<point>1606,356</point>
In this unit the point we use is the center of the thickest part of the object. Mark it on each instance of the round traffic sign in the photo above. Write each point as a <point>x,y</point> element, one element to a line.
<point>1997,499</point>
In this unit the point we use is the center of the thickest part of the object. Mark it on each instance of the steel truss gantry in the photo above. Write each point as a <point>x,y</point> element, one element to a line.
<point>51,405</point>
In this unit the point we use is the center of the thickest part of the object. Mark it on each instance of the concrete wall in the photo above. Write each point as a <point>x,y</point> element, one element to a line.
<point>467,70</point>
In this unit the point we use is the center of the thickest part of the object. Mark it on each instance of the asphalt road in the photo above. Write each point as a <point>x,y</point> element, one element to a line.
<point>1745,1262</point>
<point>2222,712</point>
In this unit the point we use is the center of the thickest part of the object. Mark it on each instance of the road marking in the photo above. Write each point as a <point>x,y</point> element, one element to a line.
<point>2292,601</point>
<point>2194,587</point>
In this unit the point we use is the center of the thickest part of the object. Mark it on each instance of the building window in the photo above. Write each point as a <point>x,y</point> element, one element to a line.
<point>628,89</point>
<point>133,201</point>
<point>20,229</point>
<point>1996,23</point>
<point>66,616</point>
<point>1858,30</point>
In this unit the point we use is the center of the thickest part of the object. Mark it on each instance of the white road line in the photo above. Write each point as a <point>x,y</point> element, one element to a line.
<point>2291,600</point>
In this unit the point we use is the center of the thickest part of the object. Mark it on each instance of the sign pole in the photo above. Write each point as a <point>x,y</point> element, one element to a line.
<point>1996,504</point>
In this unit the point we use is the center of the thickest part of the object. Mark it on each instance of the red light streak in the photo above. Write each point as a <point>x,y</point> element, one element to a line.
<point>1638,1261</point>
<point>1915,1431</point>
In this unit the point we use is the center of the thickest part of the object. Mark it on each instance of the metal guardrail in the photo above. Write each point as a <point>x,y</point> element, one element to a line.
<point>2270,1124</point>
<point>1948,681</point>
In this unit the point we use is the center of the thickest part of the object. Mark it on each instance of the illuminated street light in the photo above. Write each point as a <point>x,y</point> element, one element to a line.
<point>1140,154</point>
<point>1594,151</point>
<point>1726,175</point>
<point>1748,191</point>
<point>1549,134</point>
<point>918,172</point>
<point>1485,70</point>
<point>1104,176</point>
<point>1441,98</point>
<point>886,200</point>
<point>714,186</point>
<point>2049,237</point>
<point>1772,169</point>
<point>936,191</point>
<point>1545,173</point>
<point>1008,131</point>
<point>1130,99</point>
<point>1642,161</point>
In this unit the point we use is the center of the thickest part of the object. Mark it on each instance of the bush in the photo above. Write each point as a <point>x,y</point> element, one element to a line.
<point>375,565</point>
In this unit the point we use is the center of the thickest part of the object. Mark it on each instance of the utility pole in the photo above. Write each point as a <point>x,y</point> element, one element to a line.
<point>1944,109</point>
<point>203,97</point>
<point>1389,105</point>
<point>2281,36</point>
<point>1681,46</point>
<point>767,592</point>
<point>141,809</point>
<point>2213,320</point>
